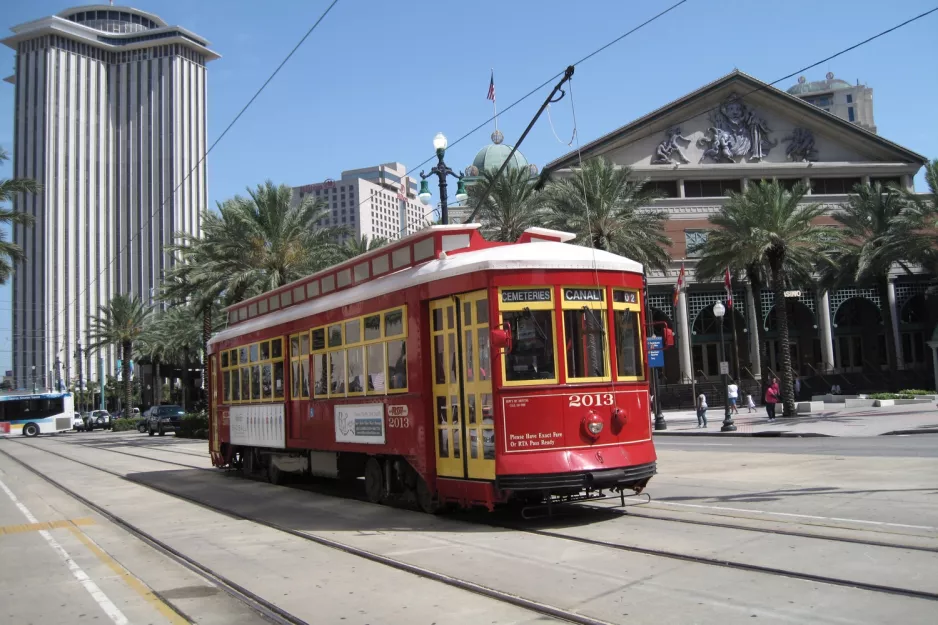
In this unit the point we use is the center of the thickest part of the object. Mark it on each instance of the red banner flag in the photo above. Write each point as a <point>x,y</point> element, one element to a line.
<point>728,283</point>
<point>679,285</point>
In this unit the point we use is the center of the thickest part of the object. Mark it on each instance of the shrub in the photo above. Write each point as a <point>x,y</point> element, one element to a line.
<point>883,396</point>
<point>194,425</point>
<point>123,425</point>
<point>915,391</point>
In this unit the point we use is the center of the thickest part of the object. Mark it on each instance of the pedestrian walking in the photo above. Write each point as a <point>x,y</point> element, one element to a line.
<point>702,411</point>
<point>771,398</point>
<point>732,391</point>
<point>749,403</point>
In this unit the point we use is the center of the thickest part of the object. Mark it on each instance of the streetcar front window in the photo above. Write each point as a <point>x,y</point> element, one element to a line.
<point>585,343</point>
<point>532,345</point>
<point>628,344</point>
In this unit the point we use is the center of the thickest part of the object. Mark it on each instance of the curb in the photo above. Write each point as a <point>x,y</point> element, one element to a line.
<point>750,434</point>
<point>919,431</point>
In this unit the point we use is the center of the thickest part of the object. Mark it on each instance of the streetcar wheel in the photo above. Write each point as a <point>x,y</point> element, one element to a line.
<point>274,475</point>
<point>30,429</point>
<point>425,499</point>
<point>374,481</point>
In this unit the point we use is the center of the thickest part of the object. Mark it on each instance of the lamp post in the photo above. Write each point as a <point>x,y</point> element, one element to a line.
<point>441,170</point>
<point>728,426</point>
<point>34,380</point>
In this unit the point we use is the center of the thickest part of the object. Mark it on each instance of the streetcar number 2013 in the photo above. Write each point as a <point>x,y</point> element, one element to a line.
<point>593,399</point>
<point>398,422</point>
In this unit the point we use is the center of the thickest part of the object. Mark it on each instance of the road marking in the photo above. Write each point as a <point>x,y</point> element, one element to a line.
<point>802,516</point>
<point>141,589</point>
<point>45,525</point>
<point>96,593</point>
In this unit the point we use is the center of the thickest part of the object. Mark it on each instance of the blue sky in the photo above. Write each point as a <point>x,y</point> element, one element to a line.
<point>377,80</point>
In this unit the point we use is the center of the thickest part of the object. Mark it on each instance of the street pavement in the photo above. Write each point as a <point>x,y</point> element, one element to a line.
<point>834,420</point>
<point>721,518</point>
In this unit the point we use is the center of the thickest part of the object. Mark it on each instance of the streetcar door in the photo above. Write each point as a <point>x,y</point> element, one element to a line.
<point>462,386</point>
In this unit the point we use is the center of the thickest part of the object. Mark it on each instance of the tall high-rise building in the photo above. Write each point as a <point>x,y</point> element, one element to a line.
<point>110,119</point>
<point>377,201</point>
<point>853,103</point>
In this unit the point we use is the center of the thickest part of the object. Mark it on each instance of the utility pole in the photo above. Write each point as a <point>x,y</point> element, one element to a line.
<point>81,385</point>
<point>58,374</point>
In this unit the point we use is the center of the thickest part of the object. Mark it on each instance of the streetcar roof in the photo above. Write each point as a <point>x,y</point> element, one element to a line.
<point>549,255</point>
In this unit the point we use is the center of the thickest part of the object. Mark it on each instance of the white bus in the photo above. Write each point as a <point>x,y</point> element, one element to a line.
<point>40,413</point>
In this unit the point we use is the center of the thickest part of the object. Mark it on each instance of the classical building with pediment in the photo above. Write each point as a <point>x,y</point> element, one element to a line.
<point>720,138</point>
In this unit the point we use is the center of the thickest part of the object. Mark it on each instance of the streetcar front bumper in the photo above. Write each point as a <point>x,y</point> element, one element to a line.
<point>625,477</point>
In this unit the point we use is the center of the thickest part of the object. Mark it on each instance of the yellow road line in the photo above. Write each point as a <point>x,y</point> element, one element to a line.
<point>141,589</point>
<point>46,525</point>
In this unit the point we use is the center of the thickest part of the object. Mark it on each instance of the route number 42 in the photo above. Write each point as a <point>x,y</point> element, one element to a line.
<point>594,399</point>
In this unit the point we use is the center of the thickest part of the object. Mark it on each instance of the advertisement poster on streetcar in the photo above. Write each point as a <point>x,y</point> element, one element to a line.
<point>360,423</point>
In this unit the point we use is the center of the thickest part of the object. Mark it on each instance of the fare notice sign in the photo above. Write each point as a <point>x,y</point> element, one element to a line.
<point>655,348</point>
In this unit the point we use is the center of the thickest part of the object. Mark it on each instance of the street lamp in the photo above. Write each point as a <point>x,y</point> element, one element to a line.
<point>35,390</point>
<point>441,170</point>
<point>728,426</point>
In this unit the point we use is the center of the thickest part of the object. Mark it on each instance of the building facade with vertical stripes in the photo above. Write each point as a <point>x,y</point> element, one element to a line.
<point>110,118</point>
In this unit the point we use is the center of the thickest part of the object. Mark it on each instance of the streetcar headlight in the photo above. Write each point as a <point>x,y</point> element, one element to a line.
<point>592,425</point>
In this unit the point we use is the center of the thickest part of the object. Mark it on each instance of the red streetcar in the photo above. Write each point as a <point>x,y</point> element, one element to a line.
<point>444,366</point>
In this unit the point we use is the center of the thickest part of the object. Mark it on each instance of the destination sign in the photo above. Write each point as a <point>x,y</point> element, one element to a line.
<point>625,297</point>
<point>514,296</point>
<point>583,295</point>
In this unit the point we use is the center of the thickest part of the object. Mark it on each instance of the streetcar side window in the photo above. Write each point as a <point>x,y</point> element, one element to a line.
<point>397,366</point>
<point>299,366</point>
<point>320,371</point>
<point>261,380</point>
<point>532,345</point>
<point>627,328</point>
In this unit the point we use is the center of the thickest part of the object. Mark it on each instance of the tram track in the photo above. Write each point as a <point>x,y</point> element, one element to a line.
<point>518,601</point>
<point>257,603</point>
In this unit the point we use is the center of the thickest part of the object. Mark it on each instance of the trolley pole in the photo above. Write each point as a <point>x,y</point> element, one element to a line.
<point>101,381</point>
<point>58,374</point>
<point>660,423</point>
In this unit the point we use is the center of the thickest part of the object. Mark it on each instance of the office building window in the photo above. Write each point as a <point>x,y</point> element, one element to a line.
<point>822,186</point>
<point>849,98</point>
<point>694,240</point>
<point>664,188</point>
<point>850,114</point>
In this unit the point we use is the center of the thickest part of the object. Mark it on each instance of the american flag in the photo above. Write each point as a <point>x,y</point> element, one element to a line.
<point>491,95</point>
<point>728,283</point>
<point>679,285</point>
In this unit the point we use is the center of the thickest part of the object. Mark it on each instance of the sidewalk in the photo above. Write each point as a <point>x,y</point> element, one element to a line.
<point>835,420</point>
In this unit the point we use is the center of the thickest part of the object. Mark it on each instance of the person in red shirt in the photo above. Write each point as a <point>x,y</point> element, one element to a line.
<point>772,395</point>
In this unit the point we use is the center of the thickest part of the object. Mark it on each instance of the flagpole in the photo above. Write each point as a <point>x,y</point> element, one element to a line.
<point>494,106</point>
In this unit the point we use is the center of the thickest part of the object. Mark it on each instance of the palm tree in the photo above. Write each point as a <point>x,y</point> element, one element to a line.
<point>606,209</point>
<point>875,240</point>
<point>258,243</point>
<point>511,206</point>
<point>180,287</point>
<point>767,229</point>
<point>355,246</point>
<point>119,323</point>
<point>151,346</point>
<point>180,330</point>
<point>921,219</point>
<point>10,253</point>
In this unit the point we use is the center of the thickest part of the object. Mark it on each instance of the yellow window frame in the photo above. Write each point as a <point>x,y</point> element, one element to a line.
<point>234,365</point>
<point>602,308</point>
<point>297,357</point>
<point>547,305</point>
<point>635,307</point>
<point>396,337</point>
<point>317,353</point>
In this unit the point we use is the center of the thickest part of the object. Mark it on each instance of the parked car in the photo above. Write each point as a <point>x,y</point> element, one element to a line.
<point>164,419</point>
<point>78,422</point>
<point>98,419</point>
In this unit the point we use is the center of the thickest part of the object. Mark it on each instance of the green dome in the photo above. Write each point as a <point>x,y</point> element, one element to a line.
<point>491,157</point>
<point>831,84</point>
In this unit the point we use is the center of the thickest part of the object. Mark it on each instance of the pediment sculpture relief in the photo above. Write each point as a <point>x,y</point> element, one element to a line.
<point>736,131</point>
<point>800,145</point>
<point>669,149</point>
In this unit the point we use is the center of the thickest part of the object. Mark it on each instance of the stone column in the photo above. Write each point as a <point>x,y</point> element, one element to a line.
<point>826,331</point>
<point>684,338</point>
<point>753,324</point>
<point>891,294</point>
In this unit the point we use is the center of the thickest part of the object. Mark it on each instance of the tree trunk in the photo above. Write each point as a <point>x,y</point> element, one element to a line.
<point>185,380</point>
<point>127,349</point>
<point>206,335</point>
<point>891,355</point>
<point>781,311</point>
<point>157,383</point>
